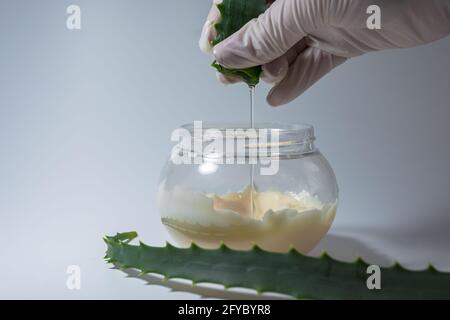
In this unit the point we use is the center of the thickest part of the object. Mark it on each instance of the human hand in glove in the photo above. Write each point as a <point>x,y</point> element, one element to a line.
<point>297,42</point>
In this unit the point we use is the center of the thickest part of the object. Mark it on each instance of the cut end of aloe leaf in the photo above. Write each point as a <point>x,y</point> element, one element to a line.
<point>250,75</point>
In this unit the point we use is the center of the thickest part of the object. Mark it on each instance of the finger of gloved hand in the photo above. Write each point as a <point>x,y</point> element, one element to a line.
<point>209,31</point>
<point>276,70</point>
<point>227,79</point>
<point>309,67</point>
<point>266,38</point>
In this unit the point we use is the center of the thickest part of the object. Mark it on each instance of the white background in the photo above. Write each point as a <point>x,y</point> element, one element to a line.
<point>86,117</point>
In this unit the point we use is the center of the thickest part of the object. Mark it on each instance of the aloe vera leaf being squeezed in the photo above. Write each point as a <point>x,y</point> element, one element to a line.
<point>288,273</point>
<point>234,15</point>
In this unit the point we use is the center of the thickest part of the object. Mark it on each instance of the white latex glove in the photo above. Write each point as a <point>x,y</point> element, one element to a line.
<point>299,41</point>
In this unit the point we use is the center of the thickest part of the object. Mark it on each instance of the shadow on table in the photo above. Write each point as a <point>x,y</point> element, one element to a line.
<point>346,248</point>
<point>203,290</point>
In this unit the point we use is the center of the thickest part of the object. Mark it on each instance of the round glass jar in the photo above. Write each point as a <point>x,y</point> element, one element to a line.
<point>268,186</point>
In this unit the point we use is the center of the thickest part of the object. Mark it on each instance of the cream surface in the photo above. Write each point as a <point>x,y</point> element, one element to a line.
<point>276,222</point>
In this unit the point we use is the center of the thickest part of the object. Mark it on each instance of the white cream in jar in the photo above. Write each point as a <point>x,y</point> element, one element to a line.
<point>277,221</point>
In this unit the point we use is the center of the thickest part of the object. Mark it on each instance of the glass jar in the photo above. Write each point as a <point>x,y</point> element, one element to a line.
<point>268,186</point>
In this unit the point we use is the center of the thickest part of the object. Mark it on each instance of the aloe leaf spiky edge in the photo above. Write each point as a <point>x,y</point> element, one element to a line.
<point>234,15</point>
<point>288,273</point>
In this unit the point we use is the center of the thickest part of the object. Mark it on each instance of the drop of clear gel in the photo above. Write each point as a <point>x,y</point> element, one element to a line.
<point>252,166</point>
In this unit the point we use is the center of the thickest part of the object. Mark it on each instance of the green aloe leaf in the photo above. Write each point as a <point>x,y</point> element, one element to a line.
<point>289,273</point>
<point>234,15</point>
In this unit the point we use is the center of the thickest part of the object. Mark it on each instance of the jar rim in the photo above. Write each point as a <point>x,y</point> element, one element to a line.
<point>294,132</point>
<point>285,139</point>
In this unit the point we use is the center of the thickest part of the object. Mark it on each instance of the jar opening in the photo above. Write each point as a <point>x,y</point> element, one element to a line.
<point>214,140</point>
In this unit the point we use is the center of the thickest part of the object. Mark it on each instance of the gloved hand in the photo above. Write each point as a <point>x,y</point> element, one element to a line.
<point>299,41</point>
